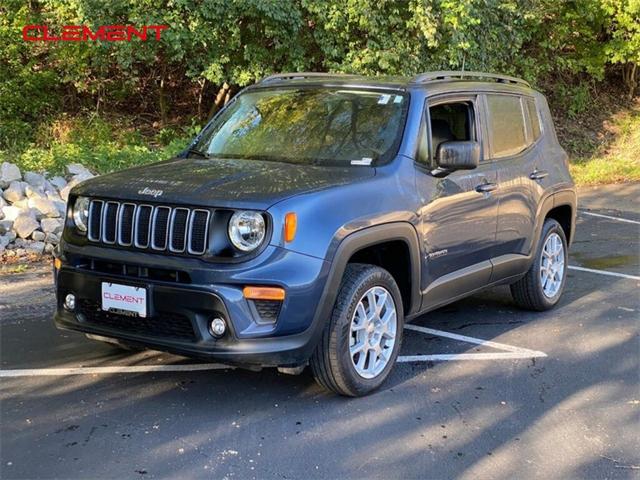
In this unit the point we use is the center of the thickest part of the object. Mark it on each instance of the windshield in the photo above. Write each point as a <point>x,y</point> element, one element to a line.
<point>308,126</point>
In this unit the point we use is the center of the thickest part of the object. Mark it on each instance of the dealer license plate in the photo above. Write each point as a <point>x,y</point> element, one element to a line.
<point>124,299</point>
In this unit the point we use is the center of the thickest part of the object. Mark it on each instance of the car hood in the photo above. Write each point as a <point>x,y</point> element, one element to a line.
<point>219,182</point>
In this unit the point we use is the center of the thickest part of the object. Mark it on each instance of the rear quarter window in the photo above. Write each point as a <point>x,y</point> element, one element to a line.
<point>534,118</point>
<point>506,125</point>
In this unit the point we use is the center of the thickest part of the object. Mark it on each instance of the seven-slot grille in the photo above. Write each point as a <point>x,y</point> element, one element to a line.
<point>156,227</point>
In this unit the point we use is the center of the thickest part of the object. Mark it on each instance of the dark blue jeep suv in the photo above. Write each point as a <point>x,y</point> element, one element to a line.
<point>317,213</point>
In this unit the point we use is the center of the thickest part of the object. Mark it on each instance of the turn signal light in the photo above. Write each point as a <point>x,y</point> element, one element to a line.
<point>263,293</point>
<point>57,263</point>
<point>290,226</point>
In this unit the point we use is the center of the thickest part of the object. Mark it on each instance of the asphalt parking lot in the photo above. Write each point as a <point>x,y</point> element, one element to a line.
<point>483,390</point>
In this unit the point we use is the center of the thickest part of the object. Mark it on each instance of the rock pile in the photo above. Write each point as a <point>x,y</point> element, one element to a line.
<point>32,208</point>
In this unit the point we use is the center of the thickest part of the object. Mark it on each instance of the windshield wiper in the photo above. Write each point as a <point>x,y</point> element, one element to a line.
<point>197,152</point>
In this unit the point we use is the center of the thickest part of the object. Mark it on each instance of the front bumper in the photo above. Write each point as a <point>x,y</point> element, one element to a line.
<point>179,311</point>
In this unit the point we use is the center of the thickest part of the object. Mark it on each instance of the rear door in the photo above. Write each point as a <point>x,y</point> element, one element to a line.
<point>511,140</point>
<point>458,213</point>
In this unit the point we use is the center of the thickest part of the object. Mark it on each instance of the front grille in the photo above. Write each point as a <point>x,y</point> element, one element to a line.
<point>158,227</point>
<point>127,211</point>
<point>138,272</point>
<point>163,324</point>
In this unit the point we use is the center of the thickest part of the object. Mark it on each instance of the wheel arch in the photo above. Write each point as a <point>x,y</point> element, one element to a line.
<point>363,246</point>
<point>564,211</point>
<point>561,206</point>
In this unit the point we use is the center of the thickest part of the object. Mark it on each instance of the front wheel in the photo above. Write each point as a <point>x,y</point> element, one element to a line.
<point>540,289</point>
<point>362,339</point>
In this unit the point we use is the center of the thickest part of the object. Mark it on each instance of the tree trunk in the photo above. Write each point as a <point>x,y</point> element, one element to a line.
<point>163,102</point>
<point>203,84</point>
<point>629,77</point>
<point>221,99</point>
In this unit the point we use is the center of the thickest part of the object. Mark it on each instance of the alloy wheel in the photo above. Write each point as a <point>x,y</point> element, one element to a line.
<point>373,332</point>
<point>552,266</point>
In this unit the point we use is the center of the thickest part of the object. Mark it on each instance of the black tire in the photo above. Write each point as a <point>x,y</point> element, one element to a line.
<point>331,362</point>
<point>528,292</point>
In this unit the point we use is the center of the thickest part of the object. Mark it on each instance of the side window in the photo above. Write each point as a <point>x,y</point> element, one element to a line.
<point>451,121</point>
<point>506,125</point>
<point>534,118</point>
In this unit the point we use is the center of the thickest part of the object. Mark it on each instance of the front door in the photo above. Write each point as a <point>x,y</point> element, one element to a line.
<point>458,216</point>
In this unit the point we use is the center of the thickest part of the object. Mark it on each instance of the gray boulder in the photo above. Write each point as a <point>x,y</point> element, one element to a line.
<point>77,169</point>
<point>19,242</point>
<point>64,193</point>
<point>51,225</point>
<point>22,204</point>
<point>5,240</point>
<point>5,226</point>
<point>9,173</point>
<point>24,226</point>
<point>44,206</point>
<point>34,179</point>
<point>10,236</point>
<point>49,188</point>
<point>11,212</point>
<point>49,248</point>
<point>61,206</point>
<point>58,182</point>
<point>54,196</point>
<point>14,192</point>
<point>52,238</point>
<point>38,236</point>
<point>76,179</point>
<point>35,247</point>
<point>31,191</point>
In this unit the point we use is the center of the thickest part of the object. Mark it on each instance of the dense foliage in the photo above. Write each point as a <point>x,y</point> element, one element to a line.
<point>563,47</point>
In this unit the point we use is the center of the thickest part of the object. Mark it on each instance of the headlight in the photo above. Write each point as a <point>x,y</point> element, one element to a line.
<point>246,230</point>
<point>81,213</point>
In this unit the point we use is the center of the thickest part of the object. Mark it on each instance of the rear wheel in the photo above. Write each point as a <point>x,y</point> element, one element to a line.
<point>361,341</point>
<point>541,288</point>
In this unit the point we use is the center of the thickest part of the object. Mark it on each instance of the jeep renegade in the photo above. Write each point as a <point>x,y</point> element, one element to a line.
<point>317,213</point>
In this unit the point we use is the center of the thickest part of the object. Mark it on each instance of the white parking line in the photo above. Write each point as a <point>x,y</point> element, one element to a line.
<point>448,357</point>
<point>510,353</point>
<point>604,272</point>
<point>626,220</point>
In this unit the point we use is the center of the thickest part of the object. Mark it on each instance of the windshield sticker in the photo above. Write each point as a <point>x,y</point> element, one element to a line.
<point>398,99</point>
<point>384,99</point>
<point>363,160</point>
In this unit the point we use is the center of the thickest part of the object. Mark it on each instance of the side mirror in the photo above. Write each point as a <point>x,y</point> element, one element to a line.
<point>456,155</point>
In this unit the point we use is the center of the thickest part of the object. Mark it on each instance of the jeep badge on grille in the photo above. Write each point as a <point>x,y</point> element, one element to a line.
<point>150,191</point>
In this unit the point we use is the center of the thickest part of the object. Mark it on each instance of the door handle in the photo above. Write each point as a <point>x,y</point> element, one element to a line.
<point>486,187</point>
<point>538,174</point>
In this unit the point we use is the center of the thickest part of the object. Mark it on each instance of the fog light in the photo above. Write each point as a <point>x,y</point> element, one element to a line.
<point>70,302</point>
<point>217,327</point>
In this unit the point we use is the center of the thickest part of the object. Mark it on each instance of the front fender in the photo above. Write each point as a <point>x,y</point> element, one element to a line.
<point>340,254</point>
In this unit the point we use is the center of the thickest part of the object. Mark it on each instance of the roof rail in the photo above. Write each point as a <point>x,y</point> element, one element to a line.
<point>446,75</point>
<point>302,75</point>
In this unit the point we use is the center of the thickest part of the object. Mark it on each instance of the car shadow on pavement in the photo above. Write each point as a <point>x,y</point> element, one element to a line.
<point>435,420</point>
